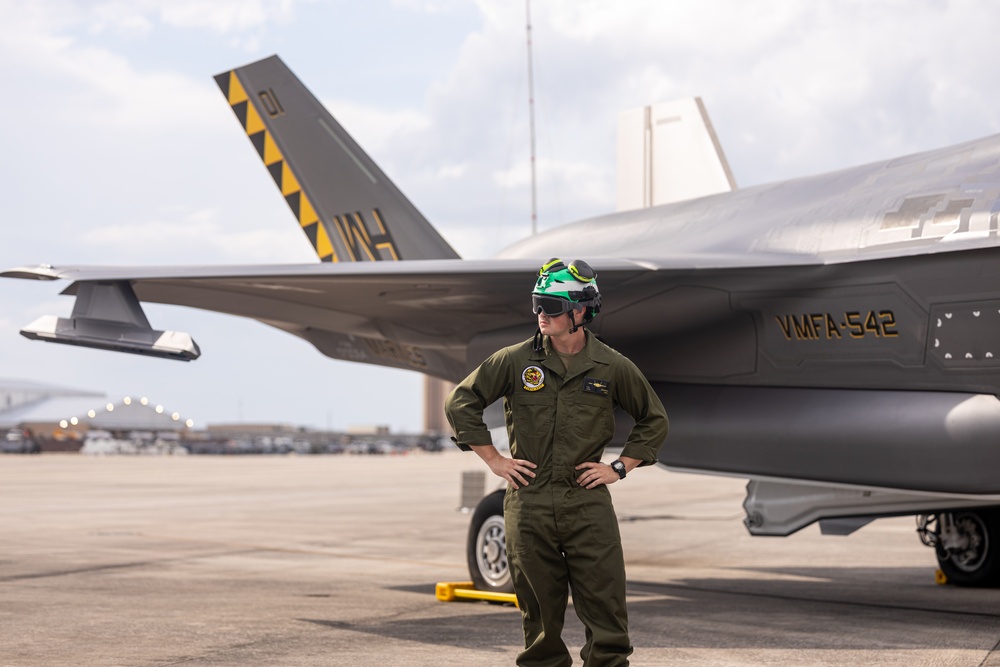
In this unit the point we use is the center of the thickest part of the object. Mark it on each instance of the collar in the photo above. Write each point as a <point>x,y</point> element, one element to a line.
<point>594,352</point>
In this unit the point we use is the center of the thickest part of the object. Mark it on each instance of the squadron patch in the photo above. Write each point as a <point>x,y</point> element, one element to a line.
<point>533,378</point>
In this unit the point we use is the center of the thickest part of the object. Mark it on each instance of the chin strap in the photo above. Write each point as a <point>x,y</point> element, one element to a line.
<point>536,344</point>
<point>588,317</point>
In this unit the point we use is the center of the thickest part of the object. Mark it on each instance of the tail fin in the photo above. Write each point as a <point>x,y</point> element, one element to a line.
<point>669,152</point>
<point>348,208</point>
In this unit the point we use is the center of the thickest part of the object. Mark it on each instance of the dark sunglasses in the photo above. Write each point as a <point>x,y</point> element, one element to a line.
<point>550,305</point>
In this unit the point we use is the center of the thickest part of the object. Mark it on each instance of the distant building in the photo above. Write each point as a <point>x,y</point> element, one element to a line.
<point>18,397</point>
<point>368,429</point>
<point>435,391</point>
<point>252,429</point>
<point>58,418</point>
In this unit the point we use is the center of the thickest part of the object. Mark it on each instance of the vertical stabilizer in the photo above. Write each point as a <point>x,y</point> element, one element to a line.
<point>348,208</point>
<point>669,152</point>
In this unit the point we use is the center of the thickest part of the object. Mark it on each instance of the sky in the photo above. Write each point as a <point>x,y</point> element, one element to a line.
<point>121,150</point>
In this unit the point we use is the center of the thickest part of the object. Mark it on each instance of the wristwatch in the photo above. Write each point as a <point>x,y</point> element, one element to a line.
<point>619,468</point>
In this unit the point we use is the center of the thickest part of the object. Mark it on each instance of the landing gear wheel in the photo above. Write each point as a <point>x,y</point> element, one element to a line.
<point>487,546</point>
<point>976,561</point>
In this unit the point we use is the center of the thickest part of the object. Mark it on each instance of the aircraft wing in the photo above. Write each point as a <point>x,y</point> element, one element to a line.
<point>419,316</point>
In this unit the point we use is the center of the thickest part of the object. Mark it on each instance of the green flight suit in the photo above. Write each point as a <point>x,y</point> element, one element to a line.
<point>560,535</point>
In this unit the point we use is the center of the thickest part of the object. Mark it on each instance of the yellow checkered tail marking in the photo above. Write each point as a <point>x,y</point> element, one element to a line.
<point>276,165</point>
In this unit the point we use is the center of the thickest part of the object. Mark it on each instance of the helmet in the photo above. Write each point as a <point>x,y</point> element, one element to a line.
<point>560,288</point>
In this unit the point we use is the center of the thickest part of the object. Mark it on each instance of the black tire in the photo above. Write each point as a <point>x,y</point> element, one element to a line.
<point>486,548</point>
<point>979,564</point>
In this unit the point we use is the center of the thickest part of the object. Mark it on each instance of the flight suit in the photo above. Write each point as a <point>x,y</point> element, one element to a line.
<point>560,535</point>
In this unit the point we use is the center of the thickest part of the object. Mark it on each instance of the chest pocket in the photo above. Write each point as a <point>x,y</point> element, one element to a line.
<point>594,417</point>
<point>533,414</point>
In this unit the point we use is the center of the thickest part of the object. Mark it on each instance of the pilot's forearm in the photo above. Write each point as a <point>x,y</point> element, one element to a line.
<point>488,453</point>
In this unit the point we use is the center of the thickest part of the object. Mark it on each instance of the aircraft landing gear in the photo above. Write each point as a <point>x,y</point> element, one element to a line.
<point>967,544</point>
<point>487,546</point>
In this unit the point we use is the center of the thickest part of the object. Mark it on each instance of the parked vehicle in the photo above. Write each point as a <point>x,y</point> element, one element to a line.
<point>18,441</point>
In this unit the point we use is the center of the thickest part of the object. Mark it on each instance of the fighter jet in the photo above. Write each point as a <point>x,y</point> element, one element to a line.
<point>835,339</point>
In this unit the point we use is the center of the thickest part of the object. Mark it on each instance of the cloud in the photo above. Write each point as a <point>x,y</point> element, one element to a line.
<point>224,16</point>
<point>92,85</point>
<point>797,70</point>
<point>136,18</point>
<point>430,6</point>
<point>197,236</point>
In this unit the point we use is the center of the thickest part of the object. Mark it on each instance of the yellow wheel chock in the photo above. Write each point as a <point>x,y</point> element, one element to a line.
<point>466,590</point>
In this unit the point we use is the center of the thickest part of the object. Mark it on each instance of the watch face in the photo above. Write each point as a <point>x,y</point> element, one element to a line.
<point>618,467</point>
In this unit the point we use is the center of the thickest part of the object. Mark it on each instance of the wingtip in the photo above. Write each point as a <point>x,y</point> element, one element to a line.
<point>39,272</point>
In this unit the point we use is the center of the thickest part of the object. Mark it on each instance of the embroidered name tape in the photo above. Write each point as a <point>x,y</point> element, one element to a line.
<point>595,386</point>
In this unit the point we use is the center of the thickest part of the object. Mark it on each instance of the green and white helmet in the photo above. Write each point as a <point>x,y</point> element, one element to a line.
<point>562,287</point>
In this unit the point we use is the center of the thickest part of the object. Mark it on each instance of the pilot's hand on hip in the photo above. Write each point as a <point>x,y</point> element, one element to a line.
<point>515,471</point>
<point>596,474</point>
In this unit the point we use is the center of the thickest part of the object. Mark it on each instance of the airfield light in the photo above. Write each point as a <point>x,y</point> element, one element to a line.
<point>159,409</point>
<point>110,407</point>
<point>91,414</point>
<point>74,421</point>
<point>175,416</point>
<point>189,423</point>
<point>127,400</point>
<point>144,400</point>
<point>63,424</point>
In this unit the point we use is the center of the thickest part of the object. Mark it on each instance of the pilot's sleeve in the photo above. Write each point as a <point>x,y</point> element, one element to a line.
<point>466,403</point>
<point>636,396</point>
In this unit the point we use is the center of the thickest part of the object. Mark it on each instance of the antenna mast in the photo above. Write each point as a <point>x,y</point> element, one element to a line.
<point>531,122</point>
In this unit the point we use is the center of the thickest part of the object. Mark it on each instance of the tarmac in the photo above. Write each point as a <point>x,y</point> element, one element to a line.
<point>333,560</point>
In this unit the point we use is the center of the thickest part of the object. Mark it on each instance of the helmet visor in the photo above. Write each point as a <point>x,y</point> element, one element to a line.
<point>550,305</point>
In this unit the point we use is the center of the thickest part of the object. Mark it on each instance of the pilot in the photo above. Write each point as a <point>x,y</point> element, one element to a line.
<point>560,390</point>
